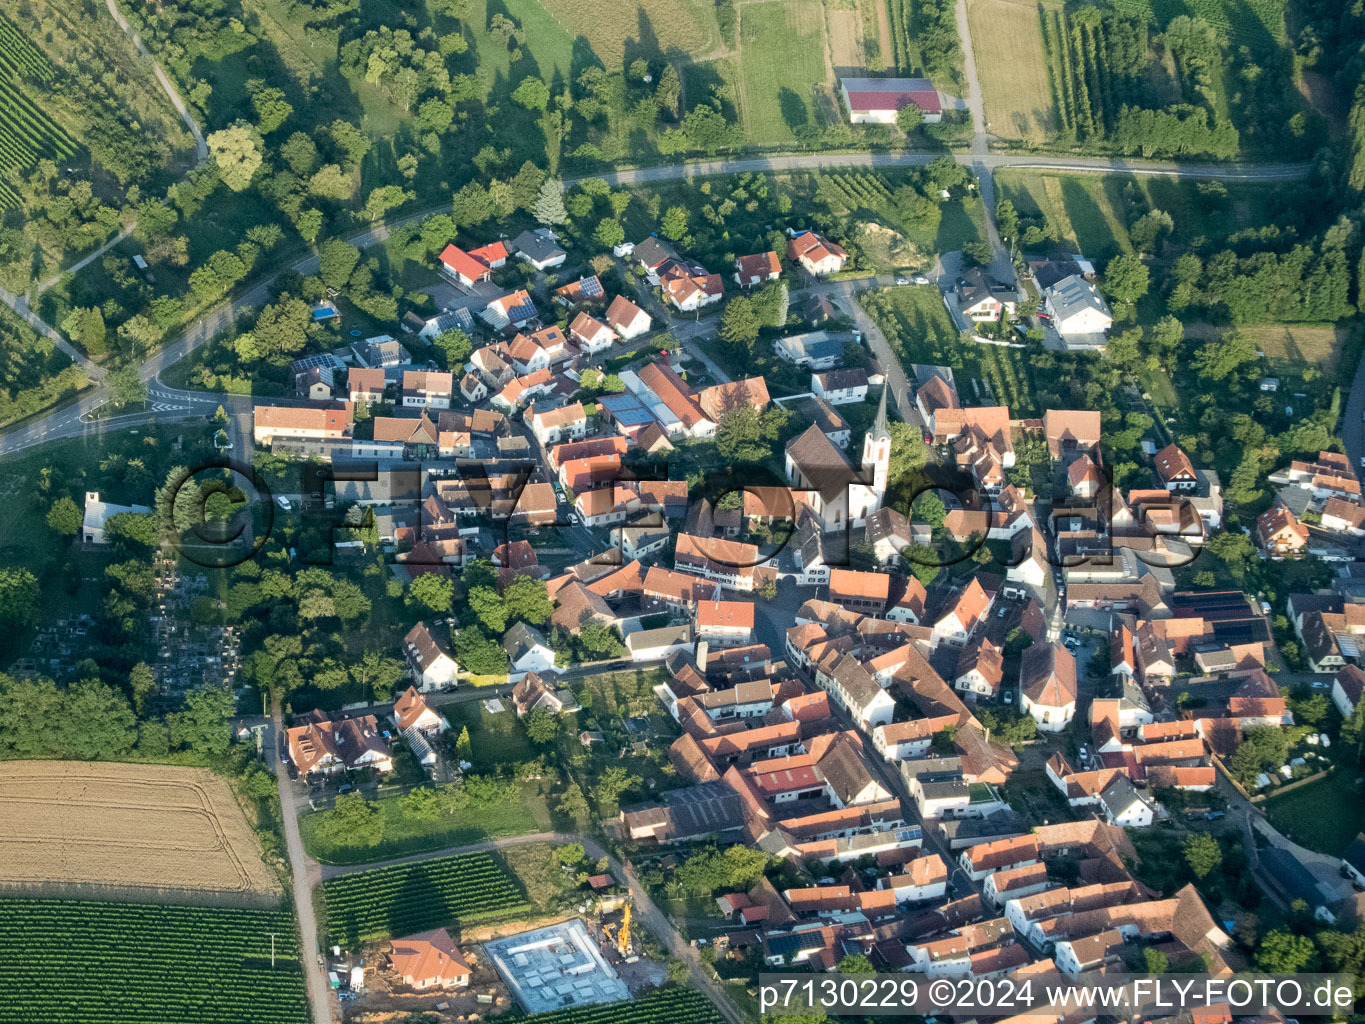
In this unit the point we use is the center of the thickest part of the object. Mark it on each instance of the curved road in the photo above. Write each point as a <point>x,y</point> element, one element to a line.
<point>57,423</point>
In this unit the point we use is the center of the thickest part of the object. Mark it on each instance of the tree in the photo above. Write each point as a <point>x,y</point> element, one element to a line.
<point>86,326</point>
<point>527,598</point>
<point>1164,337</point>
<point>98,723</point>
<point>431,593</point>
<point>676,970</point>
<point>614,781</point>
<point>65,517</point>
<point>1126,278</point>
<point>18,596</point>
<point>478,653</point>
<point>736,867</point>
<point>272,109</point>
<point>126,387</point>
<point>1283,952</point>
<point>922,562</point>
<point>856,963</point>
<point>1220,357</point>
<point>236,153</point>
<point>609,233</point>
<point>573,804</point>
<point>548,207</point>
<point>739,324</point>
<point>978,253</point>
<point>909,117</point>
<point>379,672</point>
<point>929,509</point>
<point>674,223</point>
<point>464,749</point>
<point>142,686</point>
<point>203,724</point>
<point>352,821</point>
<point>1006,219</point>
<point>1154,961</point>
<point>532,93</point>
<point>422,803</point>
<point>1202,853</point>
<point>488,608</point>
<point>669,91</point>
<point>600,639</point>
<point>542,726</point>
<point>336,262</point>
<point>456,346</point>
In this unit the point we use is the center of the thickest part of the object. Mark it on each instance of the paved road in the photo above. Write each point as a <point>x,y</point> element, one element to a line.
<point>644,907</point>
<point>164,405</point>
<point>319,994</point>
<point>220,317</point>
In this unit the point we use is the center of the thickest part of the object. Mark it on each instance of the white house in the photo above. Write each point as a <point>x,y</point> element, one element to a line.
<point>527,651</point>
<point>567,423</point>
<point>98,513</point>
<point>657,644</point>
<point>627,319</point>
<point>432,664</point>
<point>840,387</point>
<point>1124,805</point>
<point>591,334</point>
<point>1077,308</point>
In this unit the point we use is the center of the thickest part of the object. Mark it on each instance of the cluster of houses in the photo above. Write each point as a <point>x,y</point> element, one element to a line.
<point>963,886</point>
<point>321,744</point>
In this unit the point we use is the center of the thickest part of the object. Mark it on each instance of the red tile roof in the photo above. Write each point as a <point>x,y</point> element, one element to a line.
<point>462,263</point>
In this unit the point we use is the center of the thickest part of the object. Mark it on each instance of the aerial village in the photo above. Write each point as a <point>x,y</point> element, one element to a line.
<point>955,772</point>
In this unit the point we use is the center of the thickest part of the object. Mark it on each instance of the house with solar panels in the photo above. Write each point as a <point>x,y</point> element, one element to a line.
<point>510,312</point>
<point>879,100</point>
<point>449,320</point>
<point>584,290</point>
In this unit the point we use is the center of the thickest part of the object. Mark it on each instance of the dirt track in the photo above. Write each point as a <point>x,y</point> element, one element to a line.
<point>126,825</point>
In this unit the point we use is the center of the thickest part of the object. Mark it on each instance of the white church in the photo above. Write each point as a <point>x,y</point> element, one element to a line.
<point>838,494</point>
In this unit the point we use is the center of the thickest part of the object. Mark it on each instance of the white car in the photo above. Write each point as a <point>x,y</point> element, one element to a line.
<point>902,280</point>
<point>919,279</point>
<point>283,502</point>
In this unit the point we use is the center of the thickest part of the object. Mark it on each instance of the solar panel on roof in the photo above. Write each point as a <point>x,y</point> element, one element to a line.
<point>591,287</point>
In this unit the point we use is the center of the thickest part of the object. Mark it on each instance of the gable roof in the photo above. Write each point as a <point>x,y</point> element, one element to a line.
<point>622,312</point>
<point>1047,675</point>
<point>1173,464</point>
<point>759,265</point>
<point>462,263</point>
<point>428,957</point>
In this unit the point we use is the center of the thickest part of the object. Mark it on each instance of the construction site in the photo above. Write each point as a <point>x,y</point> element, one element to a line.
<point>559,966</point>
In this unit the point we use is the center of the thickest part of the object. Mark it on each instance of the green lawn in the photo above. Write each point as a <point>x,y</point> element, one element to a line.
<point>496,740</point>
<point>1324,815</point>
<point>783,62</point>
<point>404,834</point>
<point>959,222</point>
<point>1093,211</point>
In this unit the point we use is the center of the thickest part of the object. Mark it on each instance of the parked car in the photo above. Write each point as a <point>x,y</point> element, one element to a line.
<point>920,279</point>
<point>283,502</point>
<point>902,280</point>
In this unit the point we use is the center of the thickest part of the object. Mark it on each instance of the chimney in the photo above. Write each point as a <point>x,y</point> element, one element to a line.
<point>703,648</point>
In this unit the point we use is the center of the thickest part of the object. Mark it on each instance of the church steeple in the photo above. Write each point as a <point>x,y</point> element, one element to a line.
<point>880,428</point>
<point>877,456</point>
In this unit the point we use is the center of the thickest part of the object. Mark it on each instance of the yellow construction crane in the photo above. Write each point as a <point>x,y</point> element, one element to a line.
<point>623,937</point>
